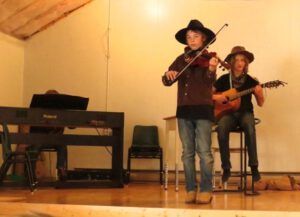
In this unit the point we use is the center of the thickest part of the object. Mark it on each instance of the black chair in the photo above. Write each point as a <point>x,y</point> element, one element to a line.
<point>145,145</point>
<point>10,157</point>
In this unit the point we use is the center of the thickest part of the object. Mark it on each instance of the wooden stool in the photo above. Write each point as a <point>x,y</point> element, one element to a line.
<point>243,174</point>
<point>239,150</point>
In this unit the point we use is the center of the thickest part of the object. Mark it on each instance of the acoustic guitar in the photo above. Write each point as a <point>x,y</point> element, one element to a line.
<point>233,102</point>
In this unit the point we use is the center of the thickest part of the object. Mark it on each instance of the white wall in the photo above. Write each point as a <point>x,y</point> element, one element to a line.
<point>11,71</point>
<point>70,57</point>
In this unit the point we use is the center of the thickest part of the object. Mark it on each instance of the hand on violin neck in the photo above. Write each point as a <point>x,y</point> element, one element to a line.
<point>213,63</point>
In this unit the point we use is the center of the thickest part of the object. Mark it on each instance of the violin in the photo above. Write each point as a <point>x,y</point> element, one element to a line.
<point>203,59</point>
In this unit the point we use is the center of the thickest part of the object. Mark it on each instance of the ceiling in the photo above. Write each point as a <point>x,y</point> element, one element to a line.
<point>24,18</point>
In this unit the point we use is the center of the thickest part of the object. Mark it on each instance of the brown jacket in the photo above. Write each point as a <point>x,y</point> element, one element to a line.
<point>194,92</point>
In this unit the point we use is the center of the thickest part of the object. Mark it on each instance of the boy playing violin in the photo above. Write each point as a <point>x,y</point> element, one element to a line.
<point>195,109</point>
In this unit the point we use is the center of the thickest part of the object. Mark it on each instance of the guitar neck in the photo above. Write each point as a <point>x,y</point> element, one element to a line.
<point>245,92</point>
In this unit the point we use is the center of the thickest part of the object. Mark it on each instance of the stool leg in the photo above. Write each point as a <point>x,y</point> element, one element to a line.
<point>241,162</point>
<point>176,177</point>
<point>4,168</point>
<point>30,172</point>
<point>29,176</point>
<point>161,168</point>
<point>214,170</point>
<point>252,192</point>
<point>225,185</point>
<point>245,167</point>
<point>166,176</point>
<point>128,167</point>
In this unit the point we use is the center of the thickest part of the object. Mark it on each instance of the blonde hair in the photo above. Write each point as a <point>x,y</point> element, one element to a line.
<point>233,60</point>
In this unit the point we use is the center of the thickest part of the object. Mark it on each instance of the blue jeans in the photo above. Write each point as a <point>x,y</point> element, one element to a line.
<point>195,137</point>
<point>229,122</point>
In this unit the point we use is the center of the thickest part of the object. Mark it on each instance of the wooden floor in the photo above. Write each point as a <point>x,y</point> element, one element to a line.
<point>148,195</point>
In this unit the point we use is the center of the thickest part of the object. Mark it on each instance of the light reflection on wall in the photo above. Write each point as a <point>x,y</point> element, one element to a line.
<point>156,9</point>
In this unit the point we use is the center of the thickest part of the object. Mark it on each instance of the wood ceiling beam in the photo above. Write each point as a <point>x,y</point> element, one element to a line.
<point>10,8</point>
<point>49,17</point>
<point>31,12</point>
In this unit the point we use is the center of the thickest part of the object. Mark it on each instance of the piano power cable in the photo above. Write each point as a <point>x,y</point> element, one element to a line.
<point>105,145</point>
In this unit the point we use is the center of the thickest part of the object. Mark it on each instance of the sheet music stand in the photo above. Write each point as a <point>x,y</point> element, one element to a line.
<point>59,101</point>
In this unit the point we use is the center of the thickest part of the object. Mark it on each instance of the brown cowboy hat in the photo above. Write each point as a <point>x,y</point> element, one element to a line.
<point>240,50</point>
<point>194,25</point>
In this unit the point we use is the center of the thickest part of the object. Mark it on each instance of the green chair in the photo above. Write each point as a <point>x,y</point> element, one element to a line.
<point>145,145</point>
<point>10,157</point>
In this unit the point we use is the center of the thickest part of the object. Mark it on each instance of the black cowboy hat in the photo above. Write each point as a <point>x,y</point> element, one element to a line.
<point>194,25</point>
<point>240,50</point>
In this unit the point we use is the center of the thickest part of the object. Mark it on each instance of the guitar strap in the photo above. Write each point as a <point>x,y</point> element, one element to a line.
<point>230,80</point>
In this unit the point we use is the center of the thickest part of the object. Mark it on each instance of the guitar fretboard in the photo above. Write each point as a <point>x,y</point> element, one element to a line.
<point>245,92</point>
